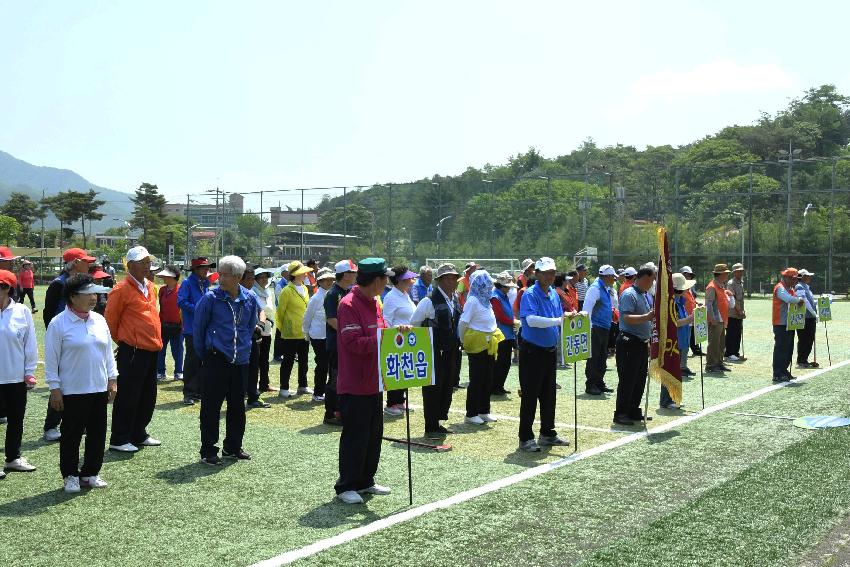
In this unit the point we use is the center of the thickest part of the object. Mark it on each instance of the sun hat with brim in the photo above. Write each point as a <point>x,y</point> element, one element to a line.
<point>26,263</point>
<point>681,283</point>
<point>505,279</point>
<point>374,266</point>
<point>168,272</point>
<point>445,270</point>
<point>201,262</point>
<point>8,278</point>
<point>324,274</point>
<point>93,288</point>
<point>527,263</point>
<point>408,275</point>
<point>721,269</point>
<point>545,264</point>
<point>296,268</point>
<point>739,267</point>
<point>99,275</point>
<point>789,272</point>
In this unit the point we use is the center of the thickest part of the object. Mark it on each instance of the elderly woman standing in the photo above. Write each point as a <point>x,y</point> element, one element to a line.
<point>314,331</point>
<point>504,314</point>
<point>398,309</point>
<point>80,371</point>
<point>291,306</point>
<point>17,373</point>
<point>481,337</point>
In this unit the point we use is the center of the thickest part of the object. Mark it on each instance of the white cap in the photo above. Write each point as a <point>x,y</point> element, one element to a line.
<point>545,264</point>
<point>630,271</point>
<point>686,270</point>
<point>137,253</point>
<point>805,272</point>
<point>344,266</point>
<point>607,270</point>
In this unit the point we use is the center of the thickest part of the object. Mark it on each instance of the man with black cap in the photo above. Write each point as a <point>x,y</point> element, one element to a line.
<point>440,311</point>
<point>581,285</point>
<point>194,287</point>
<point>598,304</point>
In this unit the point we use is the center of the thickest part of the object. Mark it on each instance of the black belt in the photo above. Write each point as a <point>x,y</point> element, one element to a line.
<point>627,337</point>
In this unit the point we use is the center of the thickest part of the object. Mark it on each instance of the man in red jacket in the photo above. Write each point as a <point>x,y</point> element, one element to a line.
<point>360,402</point>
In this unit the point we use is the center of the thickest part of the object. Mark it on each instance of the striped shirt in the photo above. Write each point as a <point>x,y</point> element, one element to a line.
<point>581,288</point>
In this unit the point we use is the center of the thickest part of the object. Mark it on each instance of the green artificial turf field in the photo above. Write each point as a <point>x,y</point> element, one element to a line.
<point>721,490</point>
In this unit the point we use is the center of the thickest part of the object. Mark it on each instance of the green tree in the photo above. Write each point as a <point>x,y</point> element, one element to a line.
<point>147,212</point>
<point>355,219</point>
<point>84,207</point>
<point>62,207</point>
<point>9,229</point>
<point>22,208</point>
<point>250,225</point>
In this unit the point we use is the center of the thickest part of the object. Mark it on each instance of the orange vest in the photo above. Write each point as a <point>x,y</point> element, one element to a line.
<point>464,285</point>
<point>777,304</point>
<point>132,317</point>
<point>626,285</point>
<point>721,298</point>
<point>690,302</point>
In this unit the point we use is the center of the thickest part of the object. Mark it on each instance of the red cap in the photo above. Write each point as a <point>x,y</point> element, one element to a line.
<point>6,254</point>
<point>72,254</point>
<point>99,274</point>
<point>9,278</point>
<point>201,263</point>
<point>213,277</point>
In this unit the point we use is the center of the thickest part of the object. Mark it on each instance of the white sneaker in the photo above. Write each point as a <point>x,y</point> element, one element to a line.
<point>178,376</point>
<point>72,484</point>
<point>160,377</point>
<point>376,489</point>
<point>350,497</point>
<point>20,464</point>
<point>151,442</point>
<point>125,448</point>
<point>305,390</point>
<point>52,434</point>
<point>474,420</point>
<point>318,398</point>
<point>284,394</point>
<point>673,406</point>
<point>732,358</point>
<point>92,482</point>
<point>487,418</point>
<point>393,411</point>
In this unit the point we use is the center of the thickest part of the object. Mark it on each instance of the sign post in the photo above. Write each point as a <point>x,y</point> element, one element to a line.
<point>405,360</point>
<point>825,314</point>
<point>701,336</point>
<point>575,346</point>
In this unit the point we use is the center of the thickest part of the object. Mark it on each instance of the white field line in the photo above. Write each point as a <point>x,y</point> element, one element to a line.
<point>350,535</point>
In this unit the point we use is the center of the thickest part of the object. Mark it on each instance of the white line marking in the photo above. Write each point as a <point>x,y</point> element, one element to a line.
<point>378,525</point>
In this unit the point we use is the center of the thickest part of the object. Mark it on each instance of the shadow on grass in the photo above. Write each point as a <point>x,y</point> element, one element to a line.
<point>34,505</point>
<point>190,472</point>
<point>173,406</point>
<point>524,459</point>
<point>335,513</point>
<point>653,438</point>
<point>319,429</point>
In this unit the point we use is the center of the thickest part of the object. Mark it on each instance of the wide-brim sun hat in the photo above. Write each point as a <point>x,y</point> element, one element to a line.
<point>681,283</point>
<point>296,268</point>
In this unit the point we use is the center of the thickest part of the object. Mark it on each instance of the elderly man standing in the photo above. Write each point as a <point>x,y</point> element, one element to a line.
<point>190,293</point>
<point>783,339</point>
<point>345,272</point>
<point>224,324</point>
<point>806,335</point>
<point>598,304</point>
<point>717,312</point>
<point>134,324</point>
<point>422,288</point>
<point>581,285</point>
<point>735,330</point>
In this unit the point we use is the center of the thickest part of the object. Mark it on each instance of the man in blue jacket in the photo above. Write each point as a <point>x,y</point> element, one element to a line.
<point>190,293</point>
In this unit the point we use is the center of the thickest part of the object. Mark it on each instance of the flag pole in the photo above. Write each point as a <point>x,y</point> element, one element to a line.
<point>815,344</point>
<point>646,403</point>
<point>409,460</point>
<point>575,407</point>
<point>701,381</point>
<point>828,354</point>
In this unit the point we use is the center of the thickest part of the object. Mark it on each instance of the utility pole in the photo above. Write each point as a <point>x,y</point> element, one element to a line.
<point>790,153</point>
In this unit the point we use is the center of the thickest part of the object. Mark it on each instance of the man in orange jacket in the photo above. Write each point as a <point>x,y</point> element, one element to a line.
<point>133,321</point>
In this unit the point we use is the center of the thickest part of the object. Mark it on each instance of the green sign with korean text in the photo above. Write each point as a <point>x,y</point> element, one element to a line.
<point>796,316</point>
<point>700,325</point>
<point>405,358</point>
<point>824,309</point>
<point>575,333</point>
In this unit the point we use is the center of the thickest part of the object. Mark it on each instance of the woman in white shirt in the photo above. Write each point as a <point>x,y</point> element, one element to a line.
<point>265,299</point>
<point>80,371</point>
<point>398,310</point>
<point>480,335</point>
<point>19,354</point>
<point>315,332</point>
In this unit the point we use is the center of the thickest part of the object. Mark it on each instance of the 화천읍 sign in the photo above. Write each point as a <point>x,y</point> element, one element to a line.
<point>405,358</point>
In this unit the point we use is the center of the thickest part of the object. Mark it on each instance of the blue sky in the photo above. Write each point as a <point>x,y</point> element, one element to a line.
<point>274,95</point>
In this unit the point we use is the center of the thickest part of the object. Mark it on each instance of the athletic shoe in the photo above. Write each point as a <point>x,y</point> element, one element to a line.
<point>125,448</point>
<point>474,420</point>
<point>34,310</point>
<point>780,379</point>
<point>239,455</point>
<point>714,370</point>
<point>160,377</point>
<point>487,418</point>
<point>814,365</point>
<point>501,392</point>
<point>178,376</point>
<point>332,421</point>
<point>733,358</point>
<point>672,405</point>
<point>305,390</point>
<point>212,460</point>
<point>393,411</point>
<point>72,484</point>
<point>188,401</point>
<point>2,475</point>
<point>688,372</point>
<point>438,433</point>
<point>259,404</point>
<point>553,441</point>
<point>623,420</point>
<point>593,391</point>
<point>350,497</point>
<point>284,394</point>
<point>376,489</point>
<point>4,420</point>
<point>151,442</point>
<point>20,465</point>
<point>52,434</point>
<point>529,446</point>
<point>557,386</point>
<point>790,377</point>
<point>269,389</point>
<point>607,389</point>
<point>92,482</point>
<point>726,368</point>
<point>318,398</point>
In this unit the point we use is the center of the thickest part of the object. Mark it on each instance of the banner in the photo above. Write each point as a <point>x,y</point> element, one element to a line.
<point>700,325</point>
<point>576,338</point>
<point>405,359</point>
<point>664,366</point>
<point>796,316</point>
<point>824,309</point>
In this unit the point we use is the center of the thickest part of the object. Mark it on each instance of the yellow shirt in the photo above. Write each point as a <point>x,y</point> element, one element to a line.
<point>289,315</point>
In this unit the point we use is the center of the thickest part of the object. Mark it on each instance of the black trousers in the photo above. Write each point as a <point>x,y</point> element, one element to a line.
<point>52,419</point>
<point>253,375</point>
<point>191,370</point>
<point>594,370</point>
<point>360,442</point>
<point>783,350</point>
<point>437,399</point>
<point>458,358</point>
<point>632,366</point>
<point>278,345</point>
<point>537,369</point>
<point>695,348</point>
<point>502,365</point>
<point>27,292</point>
<point>320,372</point>
<point>806,339</point>
<point>480,383</point>
<point>395,397</point>
<point>612,335</point>
<point>265,348</point>
<point>292,349</point>
<point>734,331</point>
<point>331,402</point>
<point>220,381</point>
<point>14,397</point>
<point>84,413</point>
<point>133,408</point>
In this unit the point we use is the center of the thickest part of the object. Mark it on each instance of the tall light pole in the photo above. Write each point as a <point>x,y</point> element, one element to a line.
<point>440,233</point>
<point>742,234</point>
<point>789,156</point>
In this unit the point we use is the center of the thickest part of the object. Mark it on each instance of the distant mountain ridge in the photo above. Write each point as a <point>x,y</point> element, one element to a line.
<point>18,175</point>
